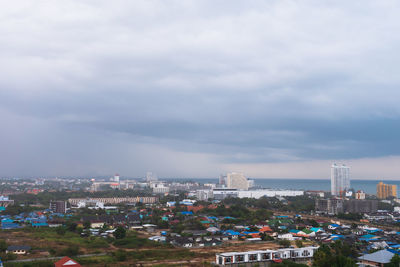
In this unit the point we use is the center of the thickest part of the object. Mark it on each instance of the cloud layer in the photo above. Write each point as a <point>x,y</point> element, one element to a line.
<point>194,88</point>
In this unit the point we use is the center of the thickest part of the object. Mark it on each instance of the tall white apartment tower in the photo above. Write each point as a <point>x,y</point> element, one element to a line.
<point>116,178</point>
<point>237,181</point>
<point>340,179</point>
<point>151,177</point>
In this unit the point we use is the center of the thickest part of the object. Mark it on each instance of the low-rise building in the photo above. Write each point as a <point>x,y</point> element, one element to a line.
<point>21,250</point>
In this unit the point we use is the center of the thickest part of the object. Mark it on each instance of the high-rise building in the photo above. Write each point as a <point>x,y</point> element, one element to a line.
<point>151,177</point>
<point>384,191</point>
<point>236,181</point>
<point>340,179</point>
<point>58,206</point>
<point>116,178</point>
<point>222,179</point>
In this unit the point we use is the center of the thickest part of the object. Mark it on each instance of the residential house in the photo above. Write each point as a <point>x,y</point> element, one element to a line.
<point>21,250</point>
<point>66,262</point>
<point>378,258</point>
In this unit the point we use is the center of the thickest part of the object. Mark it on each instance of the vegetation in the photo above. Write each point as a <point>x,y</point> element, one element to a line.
<point>30,264</point>
<point>120,232</point>
<point>288,263</point>
<point>299,243</point>
<point>350,216</point>
<point>47,196</point>
<point>17,209</point>
<point>131,241</point>
<point>337,254</point>
<point>284,243</point>
<point>394,262</point>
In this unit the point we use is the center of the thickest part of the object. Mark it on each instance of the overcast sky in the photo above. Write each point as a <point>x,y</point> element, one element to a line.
<point>196,88</point>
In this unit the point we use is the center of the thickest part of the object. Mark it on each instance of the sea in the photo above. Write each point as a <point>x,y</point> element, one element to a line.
<point>368,186</point>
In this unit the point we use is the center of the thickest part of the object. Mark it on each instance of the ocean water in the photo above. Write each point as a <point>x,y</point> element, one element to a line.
<point>368,186</point>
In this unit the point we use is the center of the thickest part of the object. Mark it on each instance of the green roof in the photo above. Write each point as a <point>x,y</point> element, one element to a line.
<point>307,231</point>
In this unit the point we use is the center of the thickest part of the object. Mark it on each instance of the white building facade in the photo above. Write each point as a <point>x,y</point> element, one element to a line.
<point>221,193</point>
<point>340,179</point>
<point>236,180</point>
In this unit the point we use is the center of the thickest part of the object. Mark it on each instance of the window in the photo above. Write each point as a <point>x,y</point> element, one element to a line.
<point>239,258</point>
<point>253,257</point>
<point>305,253</point>
<point>265,256</point>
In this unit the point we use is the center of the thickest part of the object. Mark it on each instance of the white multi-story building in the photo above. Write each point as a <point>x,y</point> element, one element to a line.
<point>159,188</point>
<point>260,256</point>
<point>236,180</point>
<point>151,177</point>
<point>340,179</point>
<point>204,194</point>
<point>116,178</point>
<point>221,193</point>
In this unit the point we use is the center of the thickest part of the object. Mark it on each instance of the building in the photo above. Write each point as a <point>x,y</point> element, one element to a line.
<point>5,201</point>
<point>379,258</point>
<point>222,179</point>
<point>331,206</point>
<point>334,206</point>
<point>384,191</point>
<point>151,177</point>
<point>222,193</point>
<point>360,206</point>
<point>20,250</point>
<point>204,194</point>
<point>115,200</point>
<point>340,179</point>
<point>264,256</point>
<point>159,188</point>
<point>236,181</point>
<point>58,206</point>
<point>360,195</point>
<point>315,193</point>
<point>66,262</point>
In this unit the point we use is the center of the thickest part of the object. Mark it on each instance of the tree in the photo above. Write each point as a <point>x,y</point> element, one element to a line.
<point>394,262</point>
<point>86,225</point>
<point>120,232</point>
<point>284,243</point>
<point>299,243</point>
<point>120,255</point>
<point>336,255</point>
<point>69,251</point>
<point>3,245</point>
<point>61,230</point>
<point>71,226</point>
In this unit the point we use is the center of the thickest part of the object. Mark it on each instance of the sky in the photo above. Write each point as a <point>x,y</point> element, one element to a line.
<point>273,89</point>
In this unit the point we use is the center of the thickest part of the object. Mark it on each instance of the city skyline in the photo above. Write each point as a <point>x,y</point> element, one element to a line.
<point>194,89</point>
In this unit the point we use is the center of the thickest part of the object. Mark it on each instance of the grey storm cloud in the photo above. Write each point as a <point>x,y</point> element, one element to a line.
<point>191,88</point>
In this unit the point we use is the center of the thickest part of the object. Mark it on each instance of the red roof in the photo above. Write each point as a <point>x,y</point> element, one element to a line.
<point>66,262</point>
<point>266,229</point>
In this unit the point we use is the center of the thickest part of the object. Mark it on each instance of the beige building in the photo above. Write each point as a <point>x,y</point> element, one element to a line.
<point>236,180</point>
<point>384,191</point>
<point>360,195</point>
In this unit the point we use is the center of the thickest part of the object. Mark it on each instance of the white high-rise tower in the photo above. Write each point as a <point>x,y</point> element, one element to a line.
<point>236,181</point>
<point>340,179</point>
<point>151,177</point>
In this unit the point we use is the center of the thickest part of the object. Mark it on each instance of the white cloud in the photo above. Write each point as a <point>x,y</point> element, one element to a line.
<point>201,81</point>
